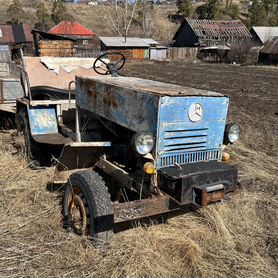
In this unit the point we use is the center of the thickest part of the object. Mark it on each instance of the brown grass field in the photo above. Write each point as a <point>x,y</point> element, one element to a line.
<point>237,238</point>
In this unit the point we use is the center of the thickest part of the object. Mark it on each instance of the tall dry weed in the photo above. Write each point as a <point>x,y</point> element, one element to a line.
<point>234,239</point>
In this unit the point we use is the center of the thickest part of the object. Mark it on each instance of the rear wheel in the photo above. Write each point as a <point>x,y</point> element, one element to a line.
<point>88,208</point>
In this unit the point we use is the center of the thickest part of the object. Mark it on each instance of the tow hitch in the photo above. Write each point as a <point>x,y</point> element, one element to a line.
<point>203,196</point>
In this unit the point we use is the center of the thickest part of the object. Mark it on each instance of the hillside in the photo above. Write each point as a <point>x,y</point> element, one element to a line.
<point>95,18</point>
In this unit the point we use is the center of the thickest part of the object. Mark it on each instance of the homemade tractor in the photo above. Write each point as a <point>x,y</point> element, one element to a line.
<point>136,148</point>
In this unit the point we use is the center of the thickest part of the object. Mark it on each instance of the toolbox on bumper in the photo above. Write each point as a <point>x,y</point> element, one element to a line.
<point>199,183</point>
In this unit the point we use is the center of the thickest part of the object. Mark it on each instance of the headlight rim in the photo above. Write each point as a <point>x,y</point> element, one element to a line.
<point>135,138</point>
<point>227,133</point>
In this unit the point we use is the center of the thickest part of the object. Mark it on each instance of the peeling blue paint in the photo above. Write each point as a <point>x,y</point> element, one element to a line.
<point>42,120</point>
<point>180,140</point>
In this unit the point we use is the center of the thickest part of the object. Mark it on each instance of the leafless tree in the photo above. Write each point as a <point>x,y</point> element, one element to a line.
<point>145,18</point>
<point>119,16</point>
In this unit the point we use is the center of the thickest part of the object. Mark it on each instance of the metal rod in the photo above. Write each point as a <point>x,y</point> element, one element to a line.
<point>72,82</point>
<point>77,124</point>
<point>26,82</point>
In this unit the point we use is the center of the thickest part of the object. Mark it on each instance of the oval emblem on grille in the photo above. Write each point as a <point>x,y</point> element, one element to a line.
<point>195,112</point>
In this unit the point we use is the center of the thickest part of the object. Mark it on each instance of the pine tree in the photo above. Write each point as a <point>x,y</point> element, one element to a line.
<point>231,9</point>
<point>201,11</point>
<point>43,18</point>
<point>211,10</point>
<point>271,9</point>
<point>15,12</point>
<point>257,14</point>
<point>59,12</point>
<point>185,7</point>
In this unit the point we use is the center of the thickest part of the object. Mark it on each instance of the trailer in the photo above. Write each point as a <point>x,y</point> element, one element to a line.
<point>135,148</point>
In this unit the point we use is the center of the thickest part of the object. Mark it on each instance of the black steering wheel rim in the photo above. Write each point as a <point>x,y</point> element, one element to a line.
<point>115,66</point>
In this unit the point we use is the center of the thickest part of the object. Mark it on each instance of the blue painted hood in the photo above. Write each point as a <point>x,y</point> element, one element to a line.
<point>180,140</point>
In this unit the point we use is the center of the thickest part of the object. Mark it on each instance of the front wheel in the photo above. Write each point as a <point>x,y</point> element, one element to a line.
<point>88,208</point>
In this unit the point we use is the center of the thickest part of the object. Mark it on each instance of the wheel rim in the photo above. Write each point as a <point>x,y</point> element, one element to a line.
<point>78,214</point>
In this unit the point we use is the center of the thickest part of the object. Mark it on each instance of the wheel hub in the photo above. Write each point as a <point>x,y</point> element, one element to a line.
<point>78,215</point>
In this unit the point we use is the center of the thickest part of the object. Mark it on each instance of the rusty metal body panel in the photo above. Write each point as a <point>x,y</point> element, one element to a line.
<point>128,101</point>
<point>10,90</point>
<point>146,86</point>
<point>143,208</point>
<point>162,109</point>
<point>120,104</point>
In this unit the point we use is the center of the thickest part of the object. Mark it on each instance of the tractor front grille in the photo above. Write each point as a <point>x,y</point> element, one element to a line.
<point>169,159</point>
<point>184,146</point>
<point>181,141</point>
<point>185,140</point>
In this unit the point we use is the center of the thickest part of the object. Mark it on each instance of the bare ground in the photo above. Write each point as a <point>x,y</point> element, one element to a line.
<point>235,239</point>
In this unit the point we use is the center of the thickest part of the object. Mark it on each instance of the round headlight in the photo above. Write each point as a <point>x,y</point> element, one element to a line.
<point>231,133</point>
<point>143,143</point>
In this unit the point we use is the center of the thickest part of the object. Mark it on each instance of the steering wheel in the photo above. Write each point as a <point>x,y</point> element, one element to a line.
<point>111,67</point>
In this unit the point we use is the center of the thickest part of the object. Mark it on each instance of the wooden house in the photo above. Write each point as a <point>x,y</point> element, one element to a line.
<point>85,42</point>
<point>131,47</point>
<point>204,33</point>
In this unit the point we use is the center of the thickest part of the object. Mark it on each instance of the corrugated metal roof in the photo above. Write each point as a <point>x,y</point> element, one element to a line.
<point>265,33</point>
<point>7,32</point>
<point>222,28</point>
<point>9,36</point>
<point>127,42</point>
<point>217,47</point>
<point>69,28</point>
<point>271,46</point>
<point>150,41</point>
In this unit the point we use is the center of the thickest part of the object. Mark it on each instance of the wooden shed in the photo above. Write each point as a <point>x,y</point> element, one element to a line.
<point>269,52</point>
<point>10,85</point>
<point>202,33</point>
<point>158,53</point>
<point>131,47</point>
<point>56,48</point>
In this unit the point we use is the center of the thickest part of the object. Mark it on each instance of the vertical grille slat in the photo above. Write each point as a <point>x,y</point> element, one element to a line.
<point>192,157</point>
<point>184,146</point>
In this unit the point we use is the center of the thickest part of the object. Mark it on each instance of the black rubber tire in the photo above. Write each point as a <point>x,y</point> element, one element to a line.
<point>33,150</point>
<point>97,202</point>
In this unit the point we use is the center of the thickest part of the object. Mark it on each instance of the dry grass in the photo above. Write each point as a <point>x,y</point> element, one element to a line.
<point>235,239</point>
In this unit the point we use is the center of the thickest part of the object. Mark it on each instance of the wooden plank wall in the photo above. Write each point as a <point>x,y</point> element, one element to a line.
<point>182,53</point>
<point>130,54</point>
<point>138,54</point>
<point>56,48</point>
<point>126,52</point>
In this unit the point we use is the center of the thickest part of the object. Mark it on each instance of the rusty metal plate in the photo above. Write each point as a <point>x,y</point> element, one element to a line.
<point>53,139</point>
<point>150,86</point>
<point>211,197</point>
<point>142,208</point>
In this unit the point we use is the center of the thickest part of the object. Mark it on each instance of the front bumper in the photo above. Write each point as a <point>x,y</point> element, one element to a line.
<point>189,183</point>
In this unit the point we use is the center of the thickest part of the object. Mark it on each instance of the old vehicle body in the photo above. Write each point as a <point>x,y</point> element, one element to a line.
<point>147,148</point>
<point>10,86</point>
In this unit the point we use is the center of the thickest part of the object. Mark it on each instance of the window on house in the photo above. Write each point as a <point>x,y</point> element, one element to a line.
<point>85,41</point>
